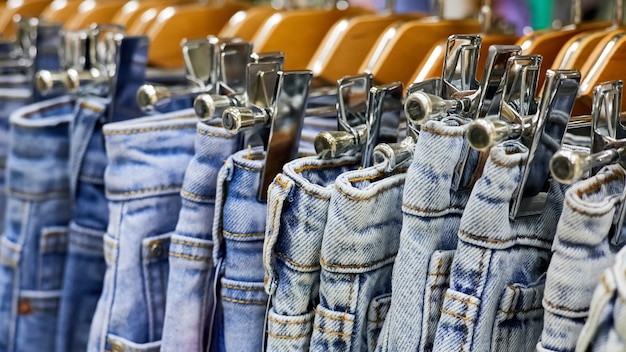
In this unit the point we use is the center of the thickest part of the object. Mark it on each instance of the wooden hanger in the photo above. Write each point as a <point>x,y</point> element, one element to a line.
<point>400,49</point>
<point>92,11</point>
<point>342,51</point>
<point>60,10</point>
<point>245,24</point>
<point>176,23</point>
<point>24,8</point>
<point>431,65</point>
<point>299,33</point>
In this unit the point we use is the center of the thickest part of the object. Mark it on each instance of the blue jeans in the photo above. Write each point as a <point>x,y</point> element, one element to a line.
<point>359,245</point>
<point>189,291</point>
<point>581,252</point>
<point>299,199</point>
<point>11,98</point>
<point>147,158</point>
<point>493,302</point>
<point>238,233</point>
<point>33,246</point>
<point>605,329</point>
<point>84,266</point>
<point>431,217</point>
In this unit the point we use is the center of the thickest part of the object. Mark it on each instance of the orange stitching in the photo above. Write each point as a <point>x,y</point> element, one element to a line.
<point>458,316</point>
<point>595,186</point>
<point>464,300</point>
<point>342,318</point>
<point>491,240</point>
<point>286,336</point>
<point>552,305</point>
<point>326,166</point>
<point>191,257</point>
<point>246,168</point>
<point>507,165</point>
<point>289,322</point>
<point>440,133</point>
<point>282,183</point>
<point>331,332</point>
<point>354,266</point>
<point>91,107</point>
<point>195,196</point>
<point>242,288</point>
<point>258,303</point>
<point>192,244</point>
<point>432,288</point>
<point>305,266</point>
<point>429,210</point>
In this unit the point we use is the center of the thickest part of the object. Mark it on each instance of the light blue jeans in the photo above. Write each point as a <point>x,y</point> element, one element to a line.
<point>299,199</point>
<point>581,252</point>
<point>493,302</point>
<point>147,159</point>
<point>33,246</point>
<point>359,245</point>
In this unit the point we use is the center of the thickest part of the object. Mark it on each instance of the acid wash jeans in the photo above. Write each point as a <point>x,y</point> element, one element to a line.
<point>605,329</point>
<point>431,217</point>
<point>34,244</point>
<point>493,302</point>
<point>84,266</point>
<point>298,202</point>
<point>147,158</point>
<point>581,252</point>
<point>189,306</point>
<point>359,245</point>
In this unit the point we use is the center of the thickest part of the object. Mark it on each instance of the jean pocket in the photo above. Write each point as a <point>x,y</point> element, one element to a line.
<point>243,305</point>
<point>519,319</point>
<point>289,332</point>
<point>155,275</point>
<point>53,250</point>
<point>459,314</point>
<point>118,344</point>
<point>376,314</point>
<point>332,331</point>
<point>437,283</point>
<point>37,320</point>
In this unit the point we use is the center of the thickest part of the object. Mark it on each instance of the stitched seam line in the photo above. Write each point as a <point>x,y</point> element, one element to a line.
<point>91,107</point>
<point>247,168</point>
<point>259,303</point>
<point>507,165</point>
<point>342,318</point>
<point>432,288</point>
<point>354,266</point>
<point>190,257</point>
<point>596,185</point>
<point>210,134</point>
<point>429,210</point>
<point>289,322</point>
<point>242,288</point>
<point>148,190</point>
<point>304,266</point>
<point>368,197</point>
<point>195,196</point>
<point>464,300</point>
<point>329,166</point>
<point>337,333</point>
<point>282,183</point>
<point>59,193</point>
<point>286,336</point>
<point>441,133</point>
<point>459,316</point>
<point>192,244</point>
<point>150,129</point>
<point>492,240</point>
<point>255,234</point>
<point>554,306</point>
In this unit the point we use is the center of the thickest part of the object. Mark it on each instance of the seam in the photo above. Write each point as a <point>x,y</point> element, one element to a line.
<point>282,183</point>
<point>555,306</point>
<point>342,318</point>
<point>195,196</point>
<point>211,134</point>
<point>290,261</point>
<point>597,184</point>
<point>59,193</point>
<point>150,129</point>
<point>312,194</point>
<point>143,191</point>
<point>255,234</point>
<point>329,166</point>
<point>464,300</point>
<point>242,288</point>
<point>492,240</point>
<point>190,257</point>
<point>382,190</point>
<point>432,288</point>
<point>459,316</point>
<point>429,210</point>
<point>192,244</point>
<point>440,133</point>
<point>258,303</point>
<point>337,333</point>
<point>247,168</point>
<point>354,266</point>
<point>286,336</point>
<point>91,107</point>
<point>46,108</point>
<point>289,322</point>
<point>507,165</point>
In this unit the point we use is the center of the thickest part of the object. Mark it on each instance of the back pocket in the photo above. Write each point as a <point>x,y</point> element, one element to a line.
<point>519,319</point>
<point>376,314</point>
<point>243,305</point>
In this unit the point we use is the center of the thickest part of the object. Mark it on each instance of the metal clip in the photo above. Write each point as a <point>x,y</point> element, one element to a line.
<point>73,53</point>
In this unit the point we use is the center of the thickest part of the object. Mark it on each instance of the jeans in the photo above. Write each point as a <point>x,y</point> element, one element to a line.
<point>147,158</point>
<point>238,233</point>
<point>605,329</point>
<point>10,100</point>
<point>84,266</point>
<point>359,245</point>
<point>33,246</point>
<point>299,199</point>
<point>493,302</point>
<point>581,252</point>
<point>431,217</point>
<point>189,291</point>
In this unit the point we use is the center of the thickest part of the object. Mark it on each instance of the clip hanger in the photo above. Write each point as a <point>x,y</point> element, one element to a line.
<point>274,111</point>
<point>608,147</point>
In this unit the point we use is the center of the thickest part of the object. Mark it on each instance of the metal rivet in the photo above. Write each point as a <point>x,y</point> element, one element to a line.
<point>24,307</point>
<point>117,346</point>
<point>156,249</point>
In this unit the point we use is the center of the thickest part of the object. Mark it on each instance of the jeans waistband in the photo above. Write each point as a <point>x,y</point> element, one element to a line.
<point>40,146</point>
<point>141,152</point>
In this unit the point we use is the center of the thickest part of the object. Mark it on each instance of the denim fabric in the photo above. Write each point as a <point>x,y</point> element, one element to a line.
<point>190,293</point>
<point>359,245</point>
<point>238,233</point>
<point>431,217</point>
<point>10,100</point>
<point>299,200</point>
<point>85,266</point>
<point>493,302</point>
<point>147,158</point>
<point>605,329</point>
<point>581,249</point>
<point>33,247</point>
